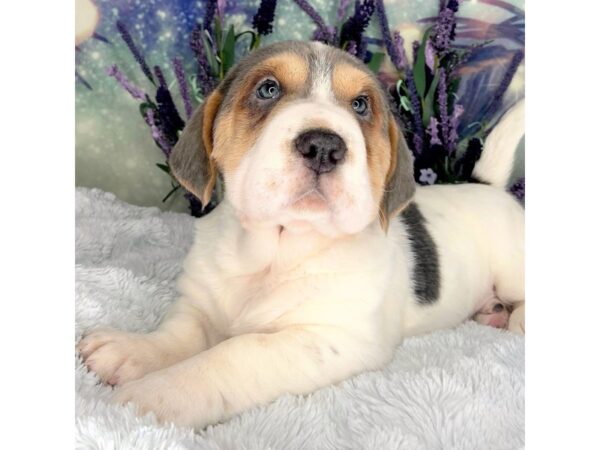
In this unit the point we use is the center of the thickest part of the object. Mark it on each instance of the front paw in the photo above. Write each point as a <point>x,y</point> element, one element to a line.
<point>172,397</point>
<point>118,357</point>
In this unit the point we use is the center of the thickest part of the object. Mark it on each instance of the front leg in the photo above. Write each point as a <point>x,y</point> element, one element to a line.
<point>250,370</point>
<point>119,356</point>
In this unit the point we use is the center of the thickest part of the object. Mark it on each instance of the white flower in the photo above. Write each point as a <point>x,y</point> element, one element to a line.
<point>428,176</point>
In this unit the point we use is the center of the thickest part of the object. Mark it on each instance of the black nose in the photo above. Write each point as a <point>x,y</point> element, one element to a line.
<point>322,150</point>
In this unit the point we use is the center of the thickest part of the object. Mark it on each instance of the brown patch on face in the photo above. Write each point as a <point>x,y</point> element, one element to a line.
<point>239,125</point>
<point>348,83</point>
<point>380,159</point>
<point>384,216</point>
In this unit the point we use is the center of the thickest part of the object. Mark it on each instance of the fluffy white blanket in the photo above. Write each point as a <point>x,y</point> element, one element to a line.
<point>453,389</point>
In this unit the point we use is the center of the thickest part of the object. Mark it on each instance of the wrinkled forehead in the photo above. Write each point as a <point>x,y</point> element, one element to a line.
<point>305,70</point>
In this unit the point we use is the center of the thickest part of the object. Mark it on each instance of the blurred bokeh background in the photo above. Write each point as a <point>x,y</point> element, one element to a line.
<point>114,148</point>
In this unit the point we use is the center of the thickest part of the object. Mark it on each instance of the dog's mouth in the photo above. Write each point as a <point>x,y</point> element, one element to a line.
<point>312,199</point>
<point>306,208</point>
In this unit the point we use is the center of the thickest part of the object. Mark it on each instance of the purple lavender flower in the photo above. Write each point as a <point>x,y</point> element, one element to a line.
<point>443,107</point>
<point>351,48</point>
<point>503,86</point>
<point>126,36</point>
<point>444,29</point>
<point>313,14</point>
<point>134,91</point>
<point>157,134</point>
<point>210,6</point>
<point>518,189</point>
<point>206,82</point>
<point>263,19</point>
<point>221,4</point>
<point>395,45</point>
<point>327,36</point>
<point>169,121</point>
<point>400,61</point>
<point>427,176</point>
<point>417,143</point>
<point>196,41</point>
<point>429,55</point>
<point>160,77</point>
<point>454,121</point>
<point>362,51</point>
<point>341,11</point>
<point>183,87</point>
<point>453,5</point>
<point>417,120</point>
<point>356,25</point>
<point>432,131</point>
<point>399,58</point>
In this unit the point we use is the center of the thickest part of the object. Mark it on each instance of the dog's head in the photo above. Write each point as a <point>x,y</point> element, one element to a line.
<point>303,137</point>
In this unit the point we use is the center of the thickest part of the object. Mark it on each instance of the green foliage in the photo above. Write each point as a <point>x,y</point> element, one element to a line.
<point>419,66</point>
<point>376,61</point>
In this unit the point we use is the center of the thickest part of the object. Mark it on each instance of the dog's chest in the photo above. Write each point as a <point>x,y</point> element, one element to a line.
<point>255,302</point>
<point>258,284</point>
<point>265,280</point>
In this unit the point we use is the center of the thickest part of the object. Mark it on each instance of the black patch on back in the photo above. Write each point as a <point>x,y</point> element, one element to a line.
<point>426,270</point>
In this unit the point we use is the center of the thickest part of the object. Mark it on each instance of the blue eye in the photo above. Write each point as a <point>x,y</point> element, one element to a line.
<point>360,105</point>
<point>267,90</point>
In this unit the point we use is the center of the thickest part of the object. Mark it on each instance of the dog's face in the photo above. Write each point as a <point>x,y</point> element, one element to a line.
<point>304,139</point>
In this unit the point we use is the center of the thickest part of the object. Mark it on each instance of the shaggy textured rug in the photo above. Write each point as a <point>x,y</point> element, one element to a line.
<point>453,389</point>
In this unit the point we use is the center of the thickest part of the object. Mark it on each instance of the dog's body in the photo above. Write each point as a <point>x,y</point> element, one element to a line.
<point>291,284</point>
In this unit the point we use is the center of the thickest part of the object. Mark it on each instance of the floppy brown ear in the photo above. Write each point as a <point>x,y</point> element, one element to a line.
<point>399,183</point>
<point>190,160</point>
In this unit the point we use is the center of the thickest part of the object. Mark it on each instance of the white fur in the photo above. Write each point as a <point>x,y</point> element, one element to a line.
<point>497,159</point>
<point>321,88</point>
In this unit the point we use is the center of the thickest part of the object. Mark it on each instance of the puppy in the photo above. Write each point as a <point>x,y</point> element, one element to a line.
<point>323,254</point>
